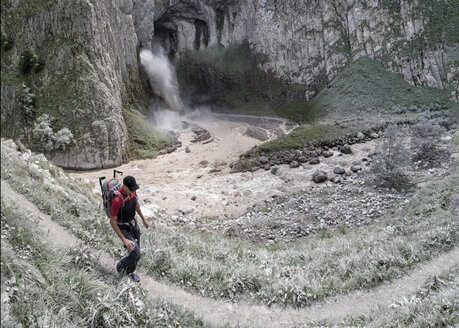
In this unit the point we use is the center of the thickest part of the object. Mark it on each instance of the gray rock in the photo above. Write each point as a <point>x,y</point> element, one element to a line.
<point>193,198</point>
<point>302,159</point>
<point>356,168</point>
<point>294,164</point>
<point>346,149</point>
<point>360,135</point>
<point>319,176</point>
<point>314,161</point>
<point>335,180</point>
<point>339,170</point>
<point>257,133</point>
<point>327,153</point>
<point>263,160</point>
<point>255,168</point>
<point>374,135</point>
<point>275,170</point>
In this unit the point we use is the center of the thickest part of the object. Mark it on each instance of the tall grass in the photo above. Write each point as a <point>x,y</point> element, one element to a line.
<point>436,304</point>
<point>46,287</point>
<point>283,273</point>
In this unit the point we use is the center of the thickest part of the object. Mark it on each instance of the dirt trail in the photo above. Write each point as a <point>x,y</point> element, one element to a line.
<point>219,312</point>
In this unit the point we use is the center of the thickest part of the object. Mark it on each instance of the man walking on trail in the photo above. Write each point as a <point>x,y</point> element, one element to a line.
<point>125,205</point>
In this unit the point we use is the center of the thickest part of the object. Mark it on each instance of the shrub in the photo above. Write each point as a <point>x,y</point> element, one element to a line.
<point>390,165</point>
<point>43,133</point>
<point>62,138</point>
<point>29,61</point>
<point>28,103</point>
<point>44,137</point>
<point>425,144</point>
<point>7,41</point>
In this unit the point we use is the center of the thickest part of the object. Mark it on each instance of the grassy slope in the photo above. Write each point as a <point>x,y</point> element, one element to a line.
<point>292,274</point>
<point>365,94</point>
<point>42,286</point>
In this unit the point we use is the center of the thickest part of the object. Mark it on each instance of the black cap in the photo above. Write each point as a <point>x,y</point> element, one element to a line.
<point>129,182</point>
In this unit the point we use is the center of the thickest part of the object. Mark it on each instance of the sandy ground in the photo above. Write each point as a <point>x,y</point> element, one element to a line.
<point>168,182</point>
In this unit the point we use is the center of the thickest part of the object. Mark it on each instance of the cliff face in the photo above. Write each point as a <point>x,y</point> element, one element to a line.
<point>309,42</point>
<point>89,51</point>
<point>90,66</point>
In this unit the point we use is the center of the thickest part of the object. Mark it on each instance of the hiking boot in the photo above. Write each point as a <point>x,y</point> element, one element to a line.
<point>135,277</point>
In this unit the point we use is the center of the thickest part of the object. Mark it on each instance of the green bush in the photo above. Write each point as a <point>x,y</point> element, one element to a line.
<point>30,62</point>
<point>425,144</point>
<point>7,41</point>
<point>28,103</point>
<point>391,163</point>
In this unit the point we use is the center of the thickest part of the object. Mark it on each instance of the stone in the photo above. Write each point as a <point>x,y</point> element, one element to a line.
<point>360,135</point>
<point>275,170</point>
<point>346,149</point>
<point>339,170</point>
<point>294,164</point>
<point>263,160</point>
<point>356,168</point>
<point>319,176</point>
<point>314,161</point>
<point>257,133</point>
<point>335,180</point>
<point>193,198</point>
<point>327,153</point>
<point>374,135</point>
<point>302,159</point>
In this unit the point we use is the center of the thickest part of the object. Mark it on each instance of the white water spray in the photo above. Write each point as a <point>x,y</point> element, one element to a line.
<point>162,78</point>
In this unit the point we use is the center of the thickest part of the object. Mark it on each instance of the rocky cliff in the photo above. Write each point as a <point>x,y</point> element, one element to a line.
<point>88,51</point>
<point>309,42</point>
<point>80,58</point>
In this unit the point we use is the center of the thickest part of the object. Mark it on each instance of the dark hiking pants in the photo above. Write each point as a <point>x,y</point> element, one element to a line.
<point>128,263</point>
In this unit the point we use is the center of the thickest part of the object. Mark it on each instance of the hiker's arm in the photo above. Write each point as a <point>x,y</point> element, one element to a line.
<point>128,243</point>
<point>139,211</point>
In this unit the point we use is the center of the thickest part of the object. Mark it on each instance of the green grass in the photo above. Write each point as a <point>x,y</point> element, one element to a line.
<point>45,286</point>
<point>284,273</point>
<point>144,140</point>
<point>436,304</point>
<point>296,139</point>
<point>364,87</point>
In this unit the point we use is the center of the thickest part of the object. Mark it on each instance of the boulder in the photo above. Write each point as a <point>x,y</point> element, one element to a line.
<point>319,176</point>
<point>294,164</point>
<point>346,149</point>
<point>314,161</point>
<point>302,159</point>
<point>336,180</point>
<point>263,160</point>
<point>327,153</point>
<point>356,168</point>
<point>339,170</point>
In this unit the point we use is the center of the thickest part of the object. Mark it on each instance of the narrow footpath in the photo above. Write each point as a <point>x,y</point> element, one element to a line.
<point>220,312</point>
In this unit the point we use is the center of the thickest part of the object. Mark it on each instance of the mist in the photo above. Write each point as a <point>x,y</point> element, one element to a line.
<point>162,77</point>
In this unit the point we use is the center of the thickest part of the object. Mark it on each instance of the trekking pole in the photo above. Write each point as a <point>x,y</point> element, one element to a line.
<point>114,173</point>
<point>100,183</point>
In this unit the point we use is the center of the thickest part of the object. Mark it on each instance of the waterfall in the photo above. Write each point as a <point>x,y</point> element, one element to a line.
<point>163,79</point>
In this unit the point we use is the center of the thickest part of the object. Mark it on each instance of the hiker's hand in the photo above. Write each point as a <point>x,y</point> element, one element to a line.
<point>129,244</point>
<point>145,223</point>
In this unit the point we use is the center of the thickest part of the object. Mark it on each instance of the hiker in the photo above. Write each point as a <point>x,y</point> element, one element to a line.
<point>122,213</point>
